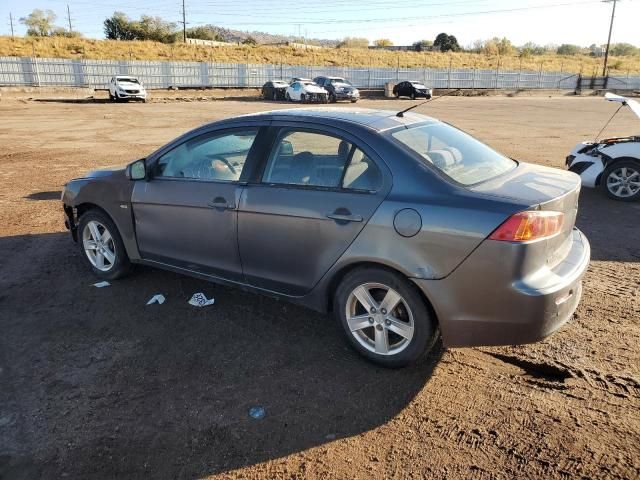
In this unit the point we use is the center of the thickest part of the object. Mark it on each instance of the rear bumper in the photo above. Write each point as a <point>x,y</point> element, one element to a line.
<point>479,306</point>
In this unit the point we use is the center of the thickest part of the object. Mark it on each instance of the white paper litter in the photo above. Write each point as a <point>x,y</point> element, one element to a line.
<point>200,300</point>
<point>158,298</point>
<point>101,284</point>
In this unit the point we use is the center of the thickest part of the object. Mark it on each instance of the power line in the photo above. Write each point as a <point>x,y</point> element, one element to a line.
<point>606,53</point>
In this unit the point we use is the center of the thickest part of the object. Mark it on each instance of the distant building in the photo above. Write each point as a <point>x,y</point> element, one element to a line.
<point>598,50</point>
<point>211,43</point>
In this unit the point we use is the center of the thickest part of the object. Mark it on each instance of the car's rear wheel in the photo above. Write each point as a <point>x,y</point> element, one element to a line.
<point>384,317</point>
<point>287,96</point>
<point>621,180</point>
<point>275,96</point>
<point>332,98</point>
<point>303,98</point>
<point>413,96</point>
<point>102,246</point>
<point>397,94</point>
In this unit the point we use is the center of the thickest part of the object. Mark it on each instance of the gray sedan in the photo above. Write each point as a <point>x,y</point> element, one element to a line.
<point>402,226</point>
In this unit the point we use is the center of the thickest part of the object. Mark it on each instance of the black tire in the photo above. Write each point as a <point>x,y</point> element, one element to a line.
<point>275,96</point>
<point>303,98</point>
<point>425,328</point>
<point>397,94</point>
<point>413,96</point>
<point>354,100</point>
<point>630,165</point>
<point>332,98</point>
<point>112,97</point>
<point>287,97</point>
<point>121,265</point>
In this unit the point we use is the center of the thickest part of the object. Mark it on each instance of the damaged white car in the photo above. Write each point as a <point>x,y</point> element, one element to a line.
<point>612,164</point>
<point>306,92</point>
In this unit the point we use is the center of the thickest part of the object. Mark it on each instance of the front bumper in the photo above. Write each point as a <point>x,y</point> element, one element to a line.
<point>137,96</point>
<point>347,95</point>
<point>479,305</point>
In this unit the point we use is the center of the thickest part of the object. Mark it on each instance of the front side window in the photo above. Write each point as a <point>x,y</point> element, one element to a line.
<point>218,157</point>
<point>321,160</point>
<point>455,153</point>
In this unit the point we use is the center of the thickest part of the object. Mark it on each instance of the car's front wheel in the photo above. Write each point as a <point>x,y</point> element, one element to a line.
<point>275,96</point>
<point>384,317</point>
<point>621,180</point>
<point>101,246</point>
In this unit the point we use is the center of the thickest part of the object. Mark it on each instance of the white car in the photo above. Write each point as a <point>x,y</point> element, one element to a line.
<point>124,87</point>
<point>612,164</point>
<point>306,91</point>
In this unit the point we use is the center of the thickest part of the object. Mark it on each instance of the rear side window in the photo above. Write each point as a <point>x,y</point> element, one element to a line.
<point>321,160</point>
<point>455,153</point>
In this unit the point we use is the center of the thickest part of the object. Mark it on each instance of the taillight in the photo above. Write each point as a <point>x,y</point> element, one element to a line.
<point>528,226</point>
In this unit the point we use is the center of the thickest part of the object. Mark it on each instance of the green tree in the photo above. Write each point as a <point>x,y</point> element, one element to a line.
<point>446,43</point>
<point>623,50</point>
<point>39,23</point>
<point>422,45</point>
<point>383,42</point>
<point>568,49</point>
<point>119,27</point>
<point>205,32</point>
<point>250,41</point>
<point>155,29</point>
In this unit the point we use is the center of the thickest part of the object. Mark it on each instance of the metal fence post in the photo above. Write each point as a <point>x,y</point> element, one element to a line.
<point>449,74</point>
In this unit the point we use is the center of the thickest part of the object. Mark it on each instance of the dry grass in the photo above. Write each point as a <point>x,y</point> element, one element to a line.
<point>106,49</point>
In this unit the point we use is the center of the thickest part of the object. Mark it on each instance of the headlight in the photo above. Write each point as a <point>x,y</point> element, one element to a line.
<point>355,91</point>
<point>340,90</point>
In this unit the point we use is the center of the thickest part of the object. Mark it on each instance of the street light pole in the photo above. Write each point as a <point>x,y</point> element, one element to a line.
<point>606,53</point>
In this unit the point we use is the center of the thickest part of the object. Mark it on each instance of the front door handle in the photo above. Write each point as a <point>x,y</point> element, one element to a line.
<point>344,215</point>
<point>221,203</point>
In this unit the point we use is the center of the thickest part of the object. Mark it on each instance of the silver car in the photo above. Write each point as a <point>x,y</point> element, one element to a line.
<point>404,227</point>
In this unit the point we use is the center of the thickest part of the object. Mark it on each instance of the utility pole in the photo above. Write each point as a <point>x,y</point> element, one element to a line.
<point>606,53</point>
<point>184,23</point>
<point>69,18</point>
<point>11,23</point>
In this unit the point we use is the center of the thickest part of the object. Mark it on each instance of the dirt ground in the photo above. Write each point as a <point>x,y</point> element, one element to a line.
<point>96,385</point>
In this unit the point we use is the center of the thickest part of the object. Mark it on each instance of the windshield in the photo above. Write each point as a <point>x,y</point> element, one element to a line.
<point>340,80</point>
<point>418,85</point>
<point>455,153</point>
<point>126,79</point>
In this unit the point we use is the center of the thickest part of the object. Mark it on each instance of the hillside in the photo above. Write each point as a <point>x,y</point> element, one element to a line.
<point>59,47</point>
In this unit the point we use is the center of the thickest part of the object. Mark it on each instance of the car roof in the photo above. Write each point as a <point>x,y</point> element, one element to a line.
<point>374,119</point>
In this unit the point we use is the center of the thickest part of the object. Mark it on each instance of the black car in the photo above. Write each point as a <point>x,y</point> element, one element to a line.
<point>274,90</point>
<point>338,88</point>
<point>412,90</point>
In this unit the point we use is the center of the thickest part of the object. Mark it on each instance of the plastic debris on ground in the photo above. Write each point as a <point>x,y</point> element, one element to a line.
<point>200,300</point>
<point>158,298</point>
<point>101,284</point>
<point>257,412</point>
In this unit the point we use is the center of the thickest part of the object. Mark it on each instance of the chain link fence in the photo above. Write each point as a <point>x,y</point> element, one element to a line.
<point>28,71</point>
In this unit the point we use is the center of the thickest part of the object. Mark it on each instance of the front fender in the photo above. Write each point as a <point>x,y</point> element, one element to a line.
<point>110,193</point>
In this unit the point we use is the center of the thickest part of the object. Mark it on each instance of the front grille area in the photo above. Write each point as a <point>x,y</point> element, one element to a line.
<point>580,167</point>
<point>132,91</point>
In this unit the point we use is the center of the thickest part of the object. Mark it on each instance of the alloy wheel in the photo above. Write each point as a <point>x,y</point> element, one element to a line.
<point>99,246</point>
<point>379,319</point>
<point>624,182</point>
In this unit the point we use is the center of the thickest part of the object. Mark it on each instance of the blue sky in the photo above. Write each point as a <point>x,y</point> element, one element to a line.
<point>581,22</point>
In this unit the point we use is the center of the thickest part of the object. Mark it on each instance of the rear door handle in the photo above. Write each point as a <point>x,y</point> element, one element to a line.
<point>344,217</point>
<point>221,203</point>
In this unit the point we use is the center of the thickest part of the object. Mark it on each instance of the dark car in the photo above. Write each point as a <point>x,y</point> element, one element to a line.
<point>412,89</point>
<point>403,226</point>
<point>274,90</point>
<point>338,88</point>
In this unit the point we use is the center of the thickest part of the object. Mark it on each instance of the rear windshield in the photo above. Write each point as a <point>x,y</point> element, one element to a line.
<point>455,153</point>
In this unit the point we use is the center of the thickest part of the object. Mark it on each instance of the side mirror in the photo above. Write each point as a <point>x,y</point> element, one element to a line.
<point>137,170</point>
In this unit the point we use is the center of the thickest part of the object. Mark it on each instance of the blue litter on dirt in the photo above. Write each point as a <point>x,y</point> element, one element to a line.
<point>257,412</point>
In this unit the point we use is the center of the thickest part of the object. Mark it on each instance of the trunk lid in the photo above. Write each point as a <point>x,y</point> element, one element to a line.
<point>544,188</point>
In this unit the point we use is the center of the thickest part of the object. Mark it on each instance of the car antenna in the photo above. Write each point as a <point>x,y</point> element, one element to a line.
<point>402,112</point>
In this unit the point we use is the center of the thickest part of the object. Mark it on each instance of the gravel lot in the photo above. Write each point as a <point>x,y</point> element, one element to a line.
<point>96,385</point>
